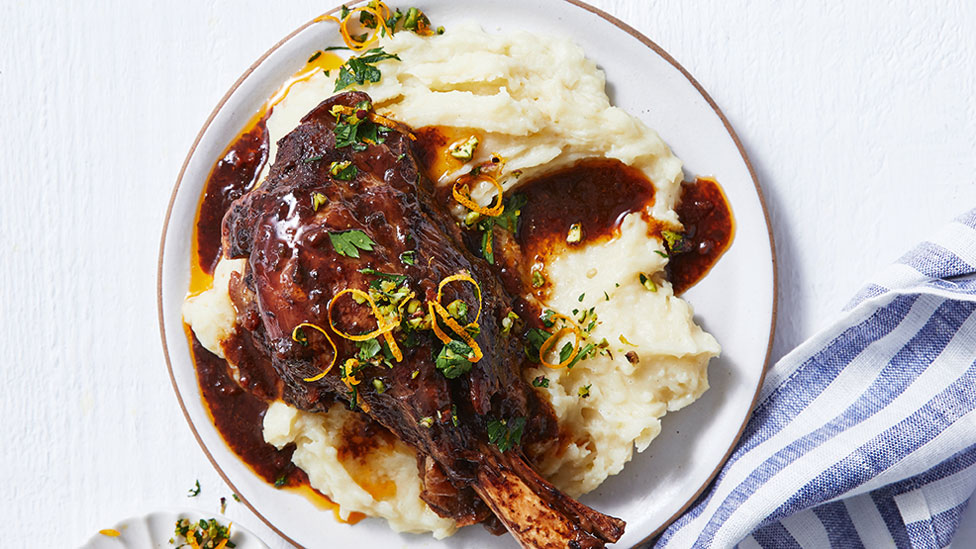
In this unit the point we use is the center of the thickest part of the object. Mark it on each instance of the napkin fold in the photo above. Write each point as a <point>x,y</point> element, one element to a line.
<point>865,434</point>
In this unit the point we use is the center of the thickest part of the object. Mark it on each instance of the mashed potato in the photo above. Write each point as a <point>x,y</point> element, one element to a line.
<point>541,105</point>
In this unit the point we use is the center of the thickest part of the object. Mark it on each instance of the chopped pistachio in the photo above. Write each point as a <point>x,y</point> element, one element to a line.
<point>537,279</point>
<point>647,283</point>
<point>426,421</point>
<point>575,233</point>
<point>318,199</point>
<point>413,306</point>
<point>472,218</point>
<point>584,391</point>
<point>465,151</point>
<point>379,386</point>
<point>508,322</point>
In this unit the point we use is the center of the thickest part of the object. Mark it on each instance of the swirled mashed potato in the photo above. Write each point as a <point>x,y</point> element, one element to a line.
<point>541,105</point>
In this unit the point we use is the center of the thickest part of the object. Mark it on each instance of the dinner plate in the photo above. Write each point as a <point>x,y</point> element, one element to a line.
<point>156,529</point>
<point>735,302</point>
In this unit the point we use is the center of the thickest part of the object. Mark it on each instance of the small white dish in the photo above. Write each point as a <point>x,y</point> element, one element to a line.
<point>157,528</point>
<point>735,302</point>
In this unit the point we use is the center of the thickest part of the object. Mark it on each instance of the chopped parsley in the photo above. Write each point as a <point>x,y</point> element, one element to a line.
<point>506,434</point>
<point>203,534</point>
<point>281,480</point>
<point>507,220</point>
<point>453,361</point>
<point>409,257</point>
<point>362,69</point>
<point>344,171</point>
<point>315,56</point>
<point>533,342</point>
<point>367,349</point>
<point>661,253</point>
<point>348,243</point>
<point>541,381</point>
<point>195,491</point>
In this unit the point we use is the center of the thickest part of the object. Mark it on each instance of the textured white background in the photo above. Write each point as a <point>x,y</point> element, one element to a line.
<point>859,117</point>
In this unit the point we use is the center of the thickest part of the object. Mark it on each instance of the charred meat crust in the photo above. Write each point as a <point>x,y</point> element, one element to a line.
<point>294,270</point>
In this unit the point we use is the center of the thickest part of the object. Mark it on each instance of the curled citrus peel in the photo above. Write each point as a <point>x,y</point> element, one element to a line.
<point>462,277</point>
<point>335,352</point>
<point>438,310</point>
<point>375,118</point>
<point>549,343</point>
<point>383,328</point>
<point>376,10</point>
<point>467,181</point>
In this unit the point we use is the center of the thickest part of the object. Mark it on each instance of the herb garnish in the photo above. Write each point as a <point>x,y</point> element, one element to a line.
<point>584,391</point>
<point>362,69</point>
<point>281,480</point>
<point>344,170</point>
<point>409,257</point>
<point>677,243</point>
<point>541,381</point>
<point>348,243</point>
<point>506,434</point>
<point>204,534</point>
<point>195,491</point>
<point>453,361</point>
<point>507,220</point>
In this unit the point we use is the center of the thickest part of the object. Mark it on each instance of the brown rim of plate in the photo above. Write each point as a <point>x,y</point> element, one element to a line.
<point>578,3</point>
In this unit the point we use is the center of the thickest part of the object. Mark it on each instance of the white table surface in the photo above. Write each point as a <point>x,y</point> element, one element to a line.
<point>860,120</point>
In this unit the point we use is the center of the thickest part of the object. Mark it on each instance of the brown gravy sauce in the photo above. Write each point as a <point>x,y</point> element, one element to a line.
<point>232,176</point>
<point>595,193</point>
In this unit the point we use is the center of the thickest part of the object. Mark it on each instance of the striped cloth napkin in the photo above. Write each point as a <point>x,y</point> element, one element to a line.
<point>864,435</point>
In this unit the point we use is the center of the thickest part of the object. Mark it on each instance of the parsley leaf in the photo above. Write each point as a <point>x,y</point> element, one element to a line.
<point>344,171</point>
<point>534,340</point>
<point>453,361</point>
<point>509,218</point>
<point>195,491</point>
<point>360,70</point>
<point>377,284</point>
<point>541,381</point>
<point>367,349</point>
<point>506,434</point>
<point>348,243</point>
<point>409,257</point>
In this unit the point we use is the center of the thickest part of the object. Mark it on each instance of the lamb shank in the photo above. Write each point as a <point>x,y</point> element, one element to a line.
<point>356,272</point>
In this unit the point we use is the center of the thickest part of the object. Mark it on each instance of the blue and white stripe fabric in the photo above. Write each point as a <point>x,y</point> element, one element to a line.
<point>864,435</point>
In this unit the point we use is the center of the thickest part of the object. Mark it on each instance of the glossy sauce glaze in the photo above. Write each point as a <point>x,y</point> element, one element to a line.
<point>595,193</point>
<point>709,228</point>
<point>232,176</point>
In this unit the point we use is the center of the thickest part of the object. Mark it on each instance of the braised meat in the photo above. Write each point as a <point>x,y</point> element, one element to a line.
<point>343,211</point>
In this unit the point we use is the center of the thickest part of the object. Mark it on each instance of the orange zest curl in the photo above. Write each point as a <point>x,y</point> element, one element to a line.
<point>463,277</point>
<point>436,309</point>
<point>461,190</point>
<point>335,352</point>
<point>376,10</point>
<point>382,327</point>
<point>570,327</point>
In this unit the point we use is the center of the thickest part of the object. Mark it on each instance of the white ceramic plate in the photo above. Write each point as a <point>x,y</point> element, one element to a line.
<point>156,529</point>
<point>736,302</point>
